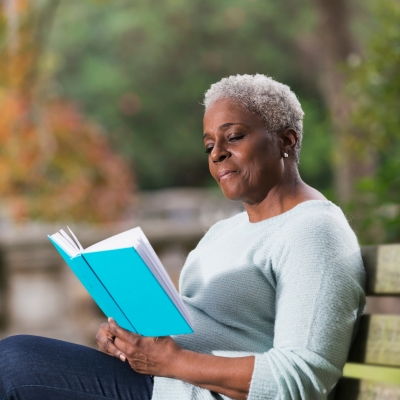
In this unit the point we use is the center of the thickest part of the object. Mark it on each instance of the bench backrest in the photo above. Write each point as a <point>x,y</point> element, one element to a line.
<point>375,353</point>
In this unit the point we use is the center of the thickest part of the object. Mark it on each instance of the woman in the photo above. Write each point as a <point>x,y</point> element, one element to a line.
<point>275,292</point>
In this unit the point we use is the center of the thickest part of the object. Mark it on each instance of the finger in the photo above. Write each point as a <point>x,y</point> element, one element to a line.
<point>119,332</point>
<point>104,327</point>
<point>104,341</point>
<point>103,332</point>
<point>108,346</point>
<point>123,346</point>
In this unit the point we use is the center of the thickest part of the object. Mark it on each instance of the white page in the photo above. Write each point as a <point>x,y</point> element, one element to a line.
<point>150,257</point>
<point>76,239</point>
<point>70,241</point>
<point>120,241</point>
<point>64,244</point>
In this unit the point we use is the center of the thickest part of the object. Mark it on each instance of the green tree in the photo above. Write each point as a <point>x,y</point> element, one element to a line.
<point>141,68</point>
<point>374,83</point>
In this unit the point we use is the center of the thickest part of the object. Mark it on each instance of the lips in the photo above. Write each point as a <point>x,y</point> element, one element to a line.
<point>225,173</point>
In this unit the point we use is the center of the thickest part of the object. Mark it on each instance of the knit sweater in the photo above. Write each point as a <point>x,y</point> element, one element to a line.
<point>288,290</point>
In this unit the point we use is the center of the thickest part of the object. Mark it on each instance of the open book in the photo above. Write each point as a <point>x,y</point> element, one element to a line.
<point>128,282</point>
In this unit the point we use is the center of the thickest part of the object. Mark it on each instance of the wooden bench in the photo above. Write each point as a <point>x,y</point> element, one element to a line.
<point>375,352</point>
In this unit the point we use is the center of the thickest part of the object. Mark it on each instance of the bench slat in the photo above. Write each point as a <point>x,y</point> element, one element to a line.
<point>382,265</point>
<point>374,373</point>
<point>377,341</point>
<point>354,389</point>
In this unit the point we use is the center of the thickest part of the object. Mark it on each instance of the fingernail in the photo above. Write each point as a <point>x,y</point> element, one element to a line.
<point>110,319</point>
<point>122,357</point>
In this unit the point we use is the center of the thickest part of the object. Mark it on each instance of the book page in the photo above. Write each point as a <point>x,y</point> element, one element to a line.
<point>150,257</point>
<point>65,243</point>
<point>76,239</point>
<point>120,241</point>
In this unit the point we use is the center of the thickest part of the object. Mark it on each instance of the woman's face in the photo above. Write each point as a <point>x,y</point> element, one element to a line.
<point>243,157</point>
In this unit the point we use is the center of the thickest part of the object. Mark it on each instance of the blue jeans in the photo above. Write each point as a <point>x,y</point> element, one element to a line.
<point>37,368</point>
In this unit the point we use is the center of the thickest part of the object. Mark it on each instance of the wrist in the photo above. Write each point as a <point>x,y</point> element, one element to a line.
<point>179,364</point>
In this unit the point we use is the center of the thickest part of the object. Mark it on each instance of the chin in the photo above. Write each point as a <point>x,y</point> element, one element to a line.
<point>230,194</point>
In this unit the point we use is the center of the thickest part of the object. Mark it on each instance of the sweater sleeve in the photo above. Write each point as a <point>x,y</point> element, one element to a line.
<point>319,298</point>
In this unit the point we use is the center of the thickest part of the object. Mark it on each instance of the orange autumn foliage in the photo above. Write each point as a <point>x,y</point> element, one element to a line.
<point>54,163</point>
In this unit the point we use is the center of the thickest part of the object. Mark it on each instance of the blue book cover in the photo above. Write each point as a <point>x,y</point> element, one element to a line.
<point>139,298</point>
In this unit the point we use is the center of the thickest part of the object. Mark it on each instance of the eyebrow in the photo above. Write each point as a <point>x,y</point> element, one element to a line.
<point>227,125</point>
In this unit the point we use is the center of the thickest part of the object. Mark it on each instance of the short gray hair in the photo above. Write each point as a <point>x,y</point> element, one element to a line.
<point>272,101</point>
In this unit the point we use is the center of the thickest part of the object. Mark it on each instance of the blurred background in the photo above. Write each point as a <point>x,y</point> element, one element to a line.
<point>101,123</point>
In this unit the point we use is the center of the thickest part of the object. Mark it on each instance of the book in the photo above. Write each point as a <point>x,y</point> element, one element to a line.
<point>127,280</point>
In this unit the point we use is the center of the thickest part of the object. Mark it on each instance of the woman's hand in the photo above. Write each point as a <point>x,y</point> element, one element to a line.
<point>163,357</point>
<point>146,355</point>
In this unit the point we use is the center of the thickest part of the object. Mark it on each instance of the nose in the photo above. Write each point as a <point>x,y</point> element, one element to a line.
<point>219,153</point>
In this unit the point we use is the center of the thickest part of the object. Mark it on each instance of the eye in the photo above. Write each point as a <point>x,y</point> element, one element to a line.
<point>236,138</point>
<point>209,149</point>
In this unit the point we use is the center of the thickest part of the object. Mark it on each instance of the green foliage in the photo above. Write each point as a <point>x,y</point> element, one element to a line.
<point>316,153</point>
<point>141,68</point>
<point>375,85</point>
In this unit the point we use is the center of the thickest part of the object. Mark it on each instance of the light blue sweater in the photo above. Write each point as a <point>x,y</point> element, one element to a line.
<point>288,290</point>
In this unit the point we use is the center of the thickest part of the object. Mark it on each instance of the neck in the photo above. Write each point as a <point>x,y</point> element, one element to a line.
<point>281,198</point>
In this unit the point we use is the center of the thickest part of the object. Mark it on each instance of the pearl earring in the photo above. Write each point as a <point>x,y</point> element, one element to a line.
<point>285,155</point>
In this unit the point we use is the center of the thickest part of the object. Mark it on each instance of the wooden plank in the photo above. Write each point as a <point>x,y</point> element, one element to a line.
<point>372,373</point>
<point>354,389</point>
<point>377,341</point>
<point>382,265</point>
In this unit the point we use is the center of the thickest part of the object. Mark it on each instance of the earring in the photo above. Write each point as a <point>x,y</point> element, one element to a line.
<point>285,155</point>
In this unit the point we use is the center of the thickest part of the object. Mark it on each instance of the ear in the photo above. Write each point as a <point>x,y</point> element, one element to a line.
<point>289,138</point>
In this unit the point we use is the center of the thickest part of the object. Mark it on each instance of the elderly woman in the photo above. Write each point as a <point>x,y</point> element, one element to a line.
<point>275,292</point>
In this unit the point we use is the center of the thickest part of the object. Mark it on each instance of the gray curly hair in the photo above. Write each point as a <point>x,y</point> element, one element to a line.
<point>272,101</point>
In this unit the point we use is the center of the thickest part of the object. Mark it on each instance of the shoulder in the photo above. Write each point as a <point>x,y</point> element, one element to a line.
<point>316,234</point>
<point>317,219</point>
